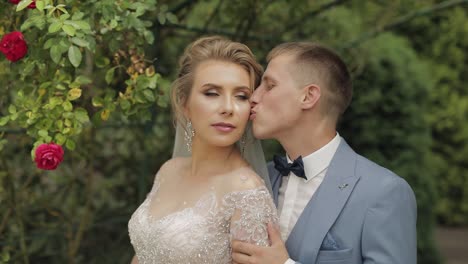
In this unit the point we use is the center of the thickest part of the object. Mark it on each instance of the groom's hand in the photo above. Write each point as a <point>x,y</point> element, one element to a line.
<point>245,253</point>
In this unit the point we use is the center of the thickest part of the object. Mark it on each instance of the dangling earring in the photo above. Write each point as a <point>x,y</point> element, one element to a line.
<point>189,134</point>
<point>242,144</point>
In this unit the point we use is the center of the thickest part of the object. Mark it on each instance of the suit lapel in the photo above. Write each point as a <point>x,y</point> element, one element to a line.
<point>324,207</point>
<point>276,180</point>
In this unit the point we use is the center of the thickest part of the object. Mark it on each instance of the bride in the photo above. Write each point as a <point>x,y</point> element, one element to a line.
<point>210,192</point>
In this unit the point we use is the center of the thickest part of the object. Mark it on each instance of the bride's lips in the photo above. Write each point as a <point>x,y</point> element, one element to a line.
<point>224,127</point>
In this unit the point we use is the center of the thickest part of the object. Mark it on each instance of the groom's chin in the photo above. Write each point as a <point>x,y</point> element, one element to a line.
<point>258,133</point>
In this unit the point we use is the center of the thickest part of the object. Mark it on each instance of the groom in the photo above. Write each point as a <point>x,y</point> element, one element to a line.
<point>335,206</point>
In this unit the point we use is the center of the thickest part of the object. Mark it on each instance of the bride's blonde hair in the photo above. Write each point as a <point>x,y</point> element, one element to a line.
<point>210,48</point>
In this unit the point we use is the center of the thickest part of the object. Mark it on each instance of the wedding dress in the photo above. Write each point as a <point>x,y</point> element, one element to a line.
<point>202,229</point>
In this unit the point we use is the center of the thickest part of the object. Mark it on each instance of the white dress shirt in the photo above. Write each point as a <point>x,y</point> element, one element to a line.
<point>295,192</point>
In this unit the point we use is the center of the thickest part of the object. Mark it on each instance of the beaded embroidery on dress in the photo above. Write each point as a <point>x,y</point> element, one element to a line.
<point>202,233</point>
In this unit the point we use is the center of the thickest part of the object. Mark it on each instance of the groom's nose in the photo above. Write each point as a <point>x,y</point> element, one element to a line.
<point>255,98</point>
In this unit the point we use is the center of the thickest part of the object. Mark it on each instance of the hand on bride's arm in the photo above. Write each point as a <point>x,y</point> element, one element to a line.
<point>246,253</point>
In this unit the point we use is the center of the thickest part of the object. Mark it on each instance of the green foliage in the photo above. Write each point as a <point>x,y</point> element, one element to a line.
<point>90,82</point>
<point>447,117</point>
<point>386,123</point>
<point>80,53</point>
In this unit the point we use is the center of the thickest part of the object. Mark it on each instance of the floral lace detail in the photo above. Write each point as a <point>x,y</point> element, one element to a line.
<point>202,233</point>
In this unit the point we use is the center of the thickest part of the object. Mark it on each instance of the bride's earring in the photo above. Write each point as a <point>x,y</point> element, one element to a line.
<point>189,134</point>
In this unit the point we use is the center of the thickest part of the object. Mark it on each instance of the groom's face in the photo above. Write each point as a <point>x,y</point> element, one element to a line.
<point>276,102</point>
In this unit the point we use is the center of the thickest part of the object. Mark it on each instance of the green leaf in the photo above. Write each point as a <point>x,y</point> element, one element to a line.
<point>125,104</point>
<point>110,75</point>
<point>54,101</point>
<point>77,15</point>
<point>28,69</point>
<point>83,80</point>
<point>162,18</point>
<point>153,81</point>
<point>67,106</point>
<point>80,42</point>
<point>81,115</point>
<point>143,82</point>
<point>148,36</point>
<point>97,101</point>
<point>60,139</point>
<point>55,53</point>
<point>64,17</point>
<point>12,109</point>
<point>60,86</point>
<point>70,144</point>
<point>149,95</point>
<point>68,123</point>
<point>35,20</point>
<point>55,27</point>
<point>4,120</point>
<point>60,7</point>
<point>70,30</point>
<point>172,18</point>
<point>102,62</point>
<point>40,5</point>
<point>74,55</point>
<point>49,43</point>
<point>23,4</point>
<point>83,24</point>
<point>43,133</point>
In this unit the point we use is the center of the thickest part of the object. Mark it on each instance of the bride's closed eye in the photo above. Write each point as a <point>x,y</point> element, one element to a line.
<point>243,96</point>
<point>211,92</point>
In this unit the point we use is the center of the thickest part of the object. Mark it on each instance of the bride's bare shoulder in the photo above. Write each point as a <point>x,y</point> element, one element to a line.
<point>245,178</point>
<point>173,166</point>
<point>175,163</point>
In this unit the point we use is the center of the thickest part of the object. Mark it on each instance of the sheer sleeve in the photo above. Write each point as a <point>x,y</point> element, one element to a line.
<point>252,210</point>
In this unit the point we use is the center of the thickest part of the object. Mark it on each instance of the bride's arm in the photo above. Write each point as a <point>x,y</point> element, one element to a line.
<point>254,209</point>
<point>134,260</point>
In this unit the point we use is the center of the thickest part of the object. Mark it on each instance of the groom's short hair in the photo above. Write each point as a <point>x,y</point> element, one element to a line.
<point>316,64</point>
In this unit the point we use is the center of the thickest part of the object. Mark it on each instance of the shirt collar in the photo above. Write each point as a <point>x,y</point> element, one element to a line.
<point>320,159</point>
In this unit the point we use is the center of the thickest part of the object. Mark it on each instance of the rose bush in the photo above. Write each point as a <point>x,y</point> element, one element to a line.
<point>85,65</point>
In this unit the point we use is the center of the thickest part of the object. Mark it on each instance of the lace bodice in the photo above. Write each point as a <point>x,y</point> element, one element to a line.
<point>202,233</point>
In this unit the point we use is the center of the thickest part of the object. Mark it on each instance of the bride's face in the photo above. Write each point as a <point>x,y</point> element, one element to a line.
<point>218,105</point>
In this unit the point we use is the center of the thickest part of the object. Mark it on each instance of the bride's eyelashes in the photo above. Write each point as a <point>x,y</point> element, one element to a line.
<point>242,96</point>
<point>210,94</point>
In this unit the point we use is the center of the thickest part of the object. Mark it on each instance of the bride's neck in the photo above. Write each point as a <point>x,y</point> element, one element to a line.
<point>209,160</point>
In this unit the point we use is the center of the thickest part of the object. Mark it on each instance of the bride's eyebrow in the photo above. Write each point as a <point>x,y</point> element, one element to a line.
<point>211,86</point>
<point>243,89</point>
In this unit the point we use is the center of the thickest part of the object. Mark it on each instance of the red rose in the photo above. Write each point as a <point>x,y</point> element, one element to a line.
<point>48,156</point>
<point>32,5</point>
<point>13,46</point>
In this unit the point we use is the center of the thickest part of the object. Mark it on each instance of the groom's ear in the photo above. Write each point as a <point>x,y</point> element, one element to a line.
<point>311,95</point>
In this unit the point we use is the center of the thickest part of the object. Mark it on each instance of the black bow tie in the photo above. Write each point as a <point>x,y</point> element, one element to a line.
<point>282,165</point>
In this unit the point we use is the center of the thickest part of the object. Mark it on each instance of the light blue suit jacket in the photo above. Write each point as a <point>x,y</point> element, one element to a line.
<point>361,213</point>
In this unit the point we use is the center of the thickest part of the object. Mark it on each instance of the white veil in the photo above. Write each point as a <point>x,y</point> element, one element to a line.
<point>253,152</point>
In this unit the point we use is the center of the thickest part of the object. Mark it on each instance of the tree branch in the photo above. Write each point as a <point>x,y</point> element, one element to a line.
<point>402,20</point>
<point>314,12</point>
<point>182,5</point>
<point>213,15</point>
<point>223,32</point>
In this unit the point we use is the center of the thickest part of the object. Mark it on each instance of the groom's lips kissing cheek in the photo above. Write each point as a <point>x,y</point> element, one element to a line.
<point>224,127</point>
<point>253,114</point>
